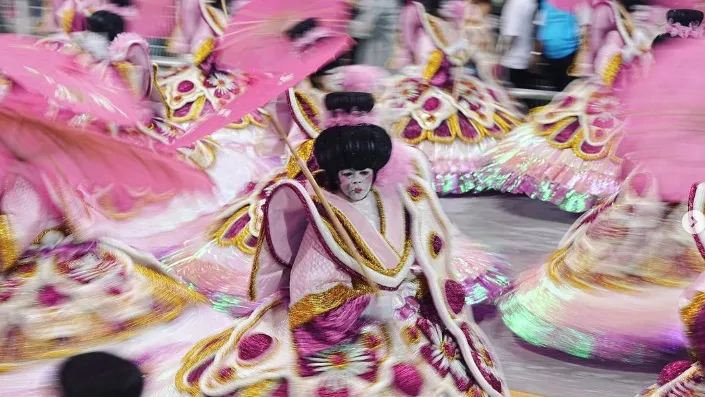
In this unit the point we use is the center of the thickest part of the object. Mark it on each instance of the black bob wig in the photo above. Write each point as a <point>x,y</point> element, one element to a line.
<point>99,374</point>
<point>357,146</point>
<point>107,23</point>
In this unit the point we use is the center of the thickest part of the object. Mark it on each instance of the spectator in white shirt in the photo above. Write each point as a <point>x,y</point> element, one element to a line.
<point>517,38</point>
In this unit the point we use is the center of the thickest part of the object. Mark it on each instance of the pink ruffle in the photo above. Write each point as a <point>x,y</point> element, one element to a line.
<point>693,30</point>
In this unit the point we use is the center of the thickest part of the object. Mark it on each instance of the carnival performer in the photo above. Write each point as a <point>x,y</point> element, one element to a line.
<point>686,377</point>
<point>237,231</point>
<point>566,152</point>
<point>235,158</point>
<point>438,105</point>
<point>611,289</point>
<point>61,294</point>
<point>333,334</point>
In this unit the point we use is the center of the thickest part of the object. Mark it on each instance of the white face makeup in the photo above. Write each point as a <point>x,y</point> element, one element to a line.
<point>355,184</point>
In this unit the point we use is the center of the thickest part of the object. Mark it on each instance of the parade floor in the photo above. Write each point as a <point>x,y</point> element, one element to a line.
<point>526,231</point>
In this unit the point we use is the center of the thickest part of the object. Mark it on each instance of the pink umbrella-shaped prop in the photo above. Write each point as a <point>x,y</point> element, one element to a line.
<point>64,83</point>
<point>291,56</point>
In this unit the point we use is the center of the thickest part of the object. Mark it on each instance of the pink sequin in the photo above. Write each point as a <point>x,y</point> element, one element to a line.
<point>185,86</point>
<point>437,244</point>
<point>432,104</point>
<point>407,380</point>
<point>253,346</point>
<point>672,371</point>
<point>455,295</point>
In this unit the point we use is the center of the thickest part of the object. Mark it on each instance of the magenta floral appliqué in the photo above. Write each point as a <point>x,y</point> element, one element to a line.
<point>442,353</point>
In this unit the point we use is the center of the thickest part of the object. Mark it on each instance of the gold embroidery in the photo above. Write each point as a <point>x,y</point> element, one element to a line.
<point>382,216</point>
<point>259,389</point>
<point>305,151</point>
<point>612,69</point>
<point>239,239</point>
<point>411,334</point>
<point>67,20</point>
<point>195,356</point>
<point>690,311</point>
<point>203,51</point>
<point>251,322</point>
<point>314,305</point>
<point>251,289</point>
<point>370,260</point>
<point>431,249</point>
<point>166,292</point>
<point>434,63</point>
<point>192,115</point>
<point>559,271</point>
<point>9,253</point>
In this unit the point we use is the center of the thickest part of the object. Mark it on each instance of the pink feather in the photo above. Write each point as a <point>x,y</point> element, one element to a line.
<point>399,167</point>
<point>87,158</point>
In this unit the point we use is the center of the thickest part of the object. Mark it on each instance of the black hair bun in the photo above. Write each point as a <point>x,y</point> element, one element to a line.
<point>684,16</point>
<point>121,3</point>
<point>350,101</point>
<point>301,28</point>
<point>661,39</point>
<point>106,22</point>
<point>99,374</point>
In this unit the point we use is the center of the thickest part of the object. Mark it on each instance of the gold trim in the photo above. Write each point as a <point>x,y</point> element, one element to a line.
<point>314,305</point>
<point>239,239</point>
<point>9,252</point>
<point>612,70</point>
<point>192,115</point>
<point>203,51</point>
<point>165,290</point>
<point>369,258</point>
<point>205,348</point>
<point>433,65</point>
<point>304,151</point>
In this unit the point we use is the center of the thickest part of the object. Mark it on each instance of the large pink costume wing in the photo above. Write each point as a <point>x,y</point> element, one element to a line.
<point>664,132</point>
<point>64,83</point>
<point>82,157</point>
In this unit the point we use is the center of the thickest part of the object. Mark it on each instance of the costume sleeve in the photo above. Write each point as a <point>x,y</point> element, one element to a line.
<point>313,270</point>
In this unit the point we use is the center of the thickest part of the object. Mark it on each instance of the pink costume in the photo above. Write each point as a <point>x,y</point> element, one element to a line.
<point>565,153</point>
<point>314,334</point>
<point>61,296</point>
<point>687,378</point>
<point>612,288</point>
<point>437,105</point>
<point>434,103</point>
<point>236,234</point>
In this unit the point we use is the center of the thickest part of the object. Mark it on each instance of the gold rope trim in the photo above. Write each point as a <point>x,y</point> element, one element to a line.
<point>314,305</point>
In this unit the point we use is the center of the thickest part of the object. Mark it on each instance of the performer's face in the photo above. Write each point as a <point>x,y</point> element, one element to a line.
<point>355,184</point>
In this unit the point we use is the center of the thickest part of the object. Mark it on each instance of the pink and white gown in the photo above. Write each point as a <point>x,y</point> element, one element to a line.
<point>434,103</point>
<point>566,152</point>
<point>237,233</point>
<point>688,377</point>
<point>612,287</point>
<point>61,296</point>
<point>317,333</point>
